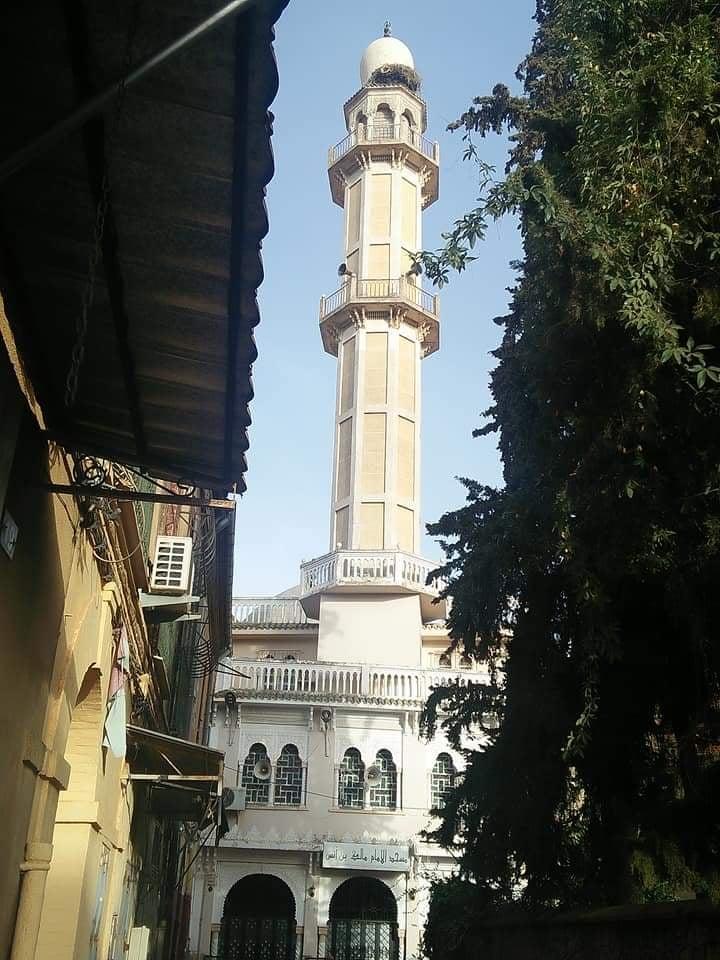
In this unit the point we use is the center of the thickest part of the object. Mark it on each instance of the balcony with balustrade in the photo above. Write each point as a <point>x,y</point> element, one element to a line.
<point>282,614</point>
<point>384,141</point>
<point>314,682</point>
<point>371,571</point>
<point>399,298</point>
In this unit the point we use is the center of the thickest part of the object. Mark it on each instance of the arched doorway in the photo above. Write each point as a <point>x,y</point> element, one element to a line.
<point>258,920</point>
<point>363,921</point>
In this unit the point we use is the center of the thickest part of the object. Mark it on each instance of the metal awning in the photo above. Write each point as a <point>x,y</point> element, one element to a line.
<point>164,369</point>
<point>186,777</point>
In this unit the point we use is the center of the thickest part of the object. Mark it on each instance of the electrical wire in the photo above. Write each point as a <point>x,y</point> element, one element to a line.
<point>121,559</point>
<point>188,490</point>
<point>197,854</point>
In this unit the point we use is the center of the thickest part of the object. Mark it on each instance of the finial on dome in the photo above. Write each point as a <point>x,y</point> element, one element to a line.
<point>387,31</point>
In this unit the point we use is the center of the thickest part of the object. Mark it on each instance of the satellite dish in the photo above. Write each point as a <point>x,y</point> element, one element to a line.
<point>373,775</point>
<point>262,769</point>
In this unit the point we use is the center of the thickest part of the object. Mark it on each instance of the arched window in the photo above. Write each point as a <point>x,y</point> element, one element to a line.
<point>361,126</point>
<point>383,123</point>
<point>289,777</point>
<point>351,780</point>
<point>385,793</point>
<point>445,660</point>
<point>407,125</point>
<point>442,780</point>
<point>257,791</point>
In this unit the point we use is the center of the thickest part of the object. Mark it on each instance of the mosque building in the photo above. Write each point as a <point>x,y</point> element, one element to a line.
<point>328,783</point>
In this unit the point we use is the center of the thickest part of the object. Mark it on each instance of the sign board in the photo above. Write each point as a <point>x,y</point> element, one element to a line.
<point>366,856</point>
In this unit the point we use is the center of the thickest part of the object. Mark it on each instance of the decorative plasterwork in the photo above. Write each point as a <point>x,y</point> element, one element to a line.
<point>230,873</point>
<point>368,742</point>
<point>398,315</point>
<point>398,158</point>
<point>274,739</point>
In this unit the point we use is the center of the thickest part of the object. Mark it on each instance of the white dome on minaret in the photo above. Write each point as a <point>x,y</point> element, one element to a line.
<point>383,52</point>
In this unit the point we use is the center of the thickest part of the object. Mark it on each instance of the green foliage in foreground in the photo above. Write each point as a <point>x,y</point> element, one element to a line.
<point>601,555</point>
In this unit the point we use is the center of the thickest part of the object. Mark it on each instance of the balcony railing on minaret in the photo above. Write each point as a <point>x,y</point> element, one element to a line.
<point>396,288</point>
<point>393,133</point>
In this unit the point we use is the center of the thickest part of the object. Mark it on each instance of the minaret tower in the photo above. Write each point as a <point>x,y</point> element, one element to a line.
<point>380,323</point>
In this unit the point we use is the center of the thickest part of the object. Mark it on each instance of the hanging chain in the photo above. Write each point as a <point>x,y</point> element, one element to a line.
<point>101,209</point>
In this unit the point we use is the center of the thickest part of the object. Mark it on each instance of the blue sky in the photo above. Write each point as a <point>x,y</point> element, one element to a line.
<point>461,49</point>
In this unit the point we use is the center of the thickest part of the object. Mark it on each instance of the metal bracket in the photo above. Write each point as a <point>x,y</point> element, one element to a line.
<point>161,608</point>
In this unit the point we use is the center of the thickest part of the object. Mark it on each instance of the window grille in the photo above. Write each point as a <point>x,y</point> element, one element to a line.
<point>385,794</point>
<point>257,791</point>
<point>442,781</point>
<point>289,777</point>
<point>351,780</point>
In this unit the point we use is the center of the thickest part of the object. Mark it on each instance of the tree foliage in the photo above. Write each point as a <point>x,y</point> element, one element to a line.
<point>595,571</point>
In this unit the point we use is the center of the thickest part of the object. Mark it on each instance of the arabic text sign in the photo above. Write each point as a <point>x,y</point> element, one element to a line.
<point>366,856</point>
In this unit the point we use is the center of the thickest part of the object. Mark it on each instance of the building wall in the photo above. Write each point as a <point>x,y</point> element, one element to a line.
<point>287,841</point>
<point>35,623</point>
<point>65,804</point>
<point>370,628</point>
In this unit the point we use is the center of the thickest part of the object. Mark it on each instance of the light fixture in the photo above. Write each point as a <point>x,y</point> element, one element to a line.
<point>342,269</point>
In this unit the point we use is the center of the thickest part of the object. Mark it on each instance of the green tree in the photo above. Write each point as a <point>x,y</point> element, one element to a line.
<point>594,573</point>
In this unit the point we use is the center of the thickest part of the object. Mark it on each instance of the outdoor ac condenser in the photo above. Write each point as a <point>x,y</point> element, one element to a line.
<point>233,798</point>
<point>172,565</point>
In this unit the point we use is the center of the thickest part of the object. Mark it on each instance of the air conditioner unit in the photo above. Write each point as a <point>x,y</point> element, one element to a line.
<point>172,565</point>
<point>233,798</point>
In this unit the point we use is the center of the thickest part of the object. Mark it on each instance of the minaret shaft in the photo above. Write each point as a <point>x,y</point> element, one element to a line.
<point>380,323</point>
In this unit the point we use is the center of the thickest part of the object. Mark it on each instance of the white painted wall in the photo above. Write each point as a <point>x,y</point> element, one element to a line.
<point>370,628</point>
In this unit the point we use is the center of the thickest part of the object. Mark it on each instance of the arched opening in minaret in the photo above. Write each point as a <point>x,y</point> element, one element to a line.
<point>361,126</point>
<point>407,126</point>
<point>258,920</point>
<point>363,921</point>
<point>383,123</point>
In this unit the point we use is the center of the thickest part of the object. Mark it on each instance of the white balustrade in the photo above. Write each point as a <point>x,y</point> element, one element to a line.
<point>335,682</point>
<point>385,133</point>
<point>267,611</point>
<point>355,290</point>
<point>383,568</point>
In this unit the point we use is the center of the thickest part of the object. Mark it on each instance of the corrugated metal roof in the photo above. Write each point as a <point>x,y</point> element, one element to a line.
<point>165,380</point>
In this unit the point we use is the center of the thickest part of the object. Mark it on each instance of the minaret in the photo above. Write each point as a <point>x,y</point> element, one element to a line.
<point>380,323</point>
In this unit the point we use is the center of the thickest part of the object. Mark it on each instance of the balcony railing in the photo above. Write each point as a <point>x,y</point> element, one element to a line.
<point>400,288</point>
<point>312,681</point>
<point>267,612</point>
<point>382,568</point>
<point>385,133</point>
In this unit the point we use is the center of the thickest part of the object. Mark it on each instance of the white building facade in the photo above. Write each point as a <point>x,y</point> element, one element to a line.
<point>318,708</point>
